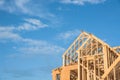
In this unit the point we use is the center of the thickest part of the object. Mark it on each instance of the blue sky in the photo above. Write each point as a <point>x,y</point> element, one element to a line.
<point>35,33</point>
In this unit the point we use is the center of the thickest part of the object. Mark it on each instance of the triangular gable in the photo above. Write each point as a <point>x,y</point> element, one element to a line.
<point>77,39</point>
<point>81,40</point>
<point>74,46</point>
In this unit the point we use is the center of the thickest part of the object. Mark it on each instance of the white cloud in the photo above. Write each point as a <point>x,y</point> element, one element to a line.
<point>27,47</point>
<point>9,36</point>
<point>32,24</point>
<point>32,8</point>
<point>40,47</point>
<point>6,28</point>
<point>14,5</point>
<point>82,2</point>
<point>36,22</point>
<point>68,35</point>
<point>6,33</point>
<point>32,47</point>
<point>21,5</point>
<point>29,7</point>
<point>29,24</point>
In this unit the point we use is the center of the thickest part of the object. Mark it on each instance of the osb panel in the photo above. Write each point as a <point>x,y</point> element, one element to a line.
<point>64,72</point>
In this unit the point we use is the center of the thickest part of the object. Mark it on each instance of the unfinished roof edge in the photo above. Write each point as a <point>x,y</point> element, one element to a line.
<point>82,32</point>
<point>89,34</point>
<point>116,47</point>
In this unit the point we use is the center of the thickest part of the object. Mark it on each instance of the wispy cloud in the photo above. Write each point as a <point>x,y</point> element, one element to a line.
<point>28,24</point>
<point>9,35</point>
<point>36,23</point>
<point>28,46</point>
<point>6,28</point>
<point>24,7</point>
<point>32,47</point>
<point>32,8</point>
<point>21,5</point>
<point>14,5</point>
<point>68,35</point>
<point>32,24</point>
<point>82,2</point>
<point>36,47</point>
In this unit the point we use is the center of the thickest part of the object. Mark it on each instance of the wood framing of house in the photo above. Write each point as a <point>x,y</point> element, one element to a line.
<point>89,58</point>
